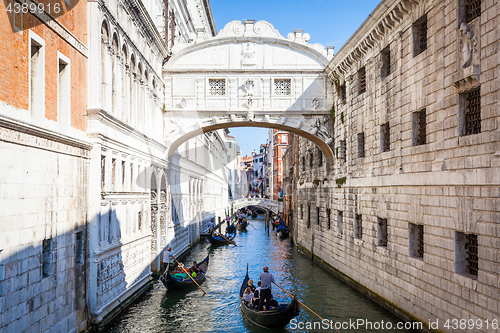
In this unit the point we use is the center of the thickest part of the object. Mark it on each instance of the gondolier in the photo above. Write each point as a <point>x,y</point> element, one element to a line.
<point>167,254</point>
<point>265,291</point>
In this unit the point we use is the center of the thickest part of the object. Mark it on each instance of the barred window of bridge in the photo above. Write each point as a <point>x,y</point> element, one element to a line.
<point>217,87</point>
<point>361,80</point>
<point>473,112</point>
<point>472,255</point>
<point>472,9</point>
<point>283,86</point>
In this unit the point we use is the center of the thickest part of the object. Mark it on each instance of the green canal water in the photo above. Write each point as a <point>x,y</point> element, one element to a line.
<point>218,311</point>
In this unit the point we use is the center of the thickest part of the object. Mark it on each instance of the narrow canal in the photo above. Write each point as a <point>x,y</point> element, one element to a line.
<point>218,311</point>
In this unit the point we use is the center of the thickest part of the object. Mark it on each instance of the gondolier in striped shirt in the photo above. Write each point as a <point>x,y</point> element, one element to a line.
<point>265,291</point>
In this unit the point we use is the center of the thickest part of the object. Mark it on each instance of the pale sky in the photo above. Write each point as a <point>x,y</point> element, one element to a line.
<point>330,23</point>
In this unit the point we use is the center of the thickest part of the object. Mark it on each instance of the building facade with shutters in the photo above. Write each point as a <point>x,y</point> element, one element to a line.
<point>410,208</point>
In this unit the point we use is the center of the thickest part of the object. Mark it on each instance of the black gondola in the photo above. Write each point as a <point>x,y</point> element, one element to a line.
<point>274,318</point>
<point>172,283</point>
<point>282,231</point>
<point>231,229</point>
<point>254,214</point>
<point>219,240</point>
<point>243,225</point>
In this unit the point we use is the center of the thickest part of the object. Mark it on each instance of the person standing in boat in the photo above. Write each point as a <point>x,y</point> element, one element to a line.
<point>265,290</point>
<point>167,254</point>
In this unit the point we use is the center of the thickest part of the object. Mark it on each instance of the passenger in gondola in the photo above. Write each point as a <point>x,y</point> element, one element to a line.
<point>250,285</point>
<point>255,299</point>
<point>248,294</point>
<point>195,269</point>
<point>259,284</point>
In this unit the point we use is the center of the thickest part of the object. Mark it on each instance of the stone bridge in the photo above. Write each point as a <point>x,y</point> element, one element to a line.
<point>266,204</point>
<point>249,76</point>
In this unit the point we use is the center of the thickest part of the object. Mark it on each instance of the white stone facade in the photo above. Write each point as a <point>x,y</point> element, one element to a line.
<point>413,160</point>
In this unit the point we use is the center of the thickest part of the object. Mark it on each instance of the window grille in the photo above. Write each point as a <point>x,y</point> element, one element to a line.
<point>308,216</point>
<point>421,127</point>
<point>473,113</point>
<point>362,80</point>
<point>420,233</point>
<point>472,257</point>
<point>386,137</point>
<point>328,218</point>
<point>340,217</point>
<point>382,232</point>
<point>358,226</point>
<point>386,62</point>
<point>422,36</point>
<point>361,144</point>
<point>317,215</point>
<point>472,9</point>
<point>217,87</point>
<point>283,86</point>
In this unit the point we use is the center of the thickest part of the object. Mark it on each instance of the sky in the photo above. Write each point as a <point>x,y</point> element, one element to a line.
<point>329,22</point>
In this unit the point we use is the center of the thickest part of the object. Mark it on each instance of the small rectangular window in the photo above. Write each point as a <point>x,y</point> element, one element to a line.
<point>420,35</point>
<point>303,163</point>
<point>229,144</point>
<point>217,87</point>
<point>302,211</point>
<point>342,150</point>
<point>320,157</point>
<point>340,221</point>
<point>308,216</point>
<point>317,215</point>
<point>472,9</point>
<point>63,95</point>
<point>328,218</point>
<point>113,173</point>
<point>343,94</point>
<point>311,160</point>
<point>229,158</point>
<point>472,112</point>
<point>385,137</point>
<point>358,226</point>
<point>37,79</point>
<point>79,248</point>
<point>361,144</point>
<point>361,80</point>
<point>386,62</point>
<point>382,232</point>
<point>466,254</point>
<point>419,128</point>
<point>283,87</point>
<point>47,257</point>
<point>123,174</point>
<point>416,240</point>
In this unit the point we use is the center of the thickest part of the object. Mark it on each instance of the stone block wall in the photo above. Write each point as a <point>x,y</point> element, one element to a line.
<point>446,186</point>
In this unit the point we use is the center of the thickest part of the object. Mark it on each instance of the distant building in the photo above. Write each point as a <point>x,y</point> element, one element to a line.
<point>279,143</point>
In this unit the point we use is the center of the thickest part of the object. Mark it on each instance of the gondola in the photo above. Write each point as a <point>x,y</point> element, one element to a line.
<point>282,231</point>
<point>254,214</point>
<point>243,226</point>
<point>219,240</point>
<point>231,229</point>
<point>173,283</point>
<point>274,318</point>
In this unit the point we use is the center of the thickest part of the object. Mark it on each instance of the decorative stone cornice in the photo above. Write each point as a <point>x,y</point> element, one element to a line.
<point>381,22</point>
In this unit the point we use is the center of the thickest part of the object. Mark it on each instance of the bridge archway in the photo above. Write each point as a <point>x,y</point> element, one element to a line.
<point>249,76</point>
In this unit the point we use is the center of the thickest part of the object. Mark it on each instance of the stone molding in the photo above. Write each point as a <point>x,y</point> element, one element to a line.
<point>386,16</point>
<point>19,132</point>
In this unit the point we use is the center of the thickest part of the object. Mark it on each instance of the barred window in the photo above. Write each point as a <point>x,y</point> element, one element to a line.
<point>320,157</point>
<point>382,232</point>
<point>419,127</point>
<point>472,9</point>
<point>342,150</point>
<point>420,35</point>
<point>385,137</point>
<point>386,62</point>
<point>217,87</point>
<point>472,255</point>
<point>308,216</point>
<point>328,218</point>
<point>317,215</point>
<point>361,144</point>
<point>361,80</point>
<point>283,86</point>
<point>416,240</point>
<point>340,217</point>
<point>303,163</point>
<point>47,257</point>
<point>473,112</point>
<point>358,226</point>
<point>343,93</point>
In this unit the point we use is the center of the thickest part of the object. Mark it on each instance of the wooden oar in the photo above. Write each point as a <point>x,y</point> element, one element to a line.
<point>303,304</point>
<point>182,266</point>
<point>230,241</point>
<point>251,225</point>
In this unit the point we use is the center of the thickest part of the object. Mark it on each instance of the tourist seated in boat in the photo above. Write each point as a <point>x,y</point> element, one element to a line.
<point>248,295</point>
<point>195,268</point>
<point>259,284</point>
<point>255,299</point>
<point>250,285</point>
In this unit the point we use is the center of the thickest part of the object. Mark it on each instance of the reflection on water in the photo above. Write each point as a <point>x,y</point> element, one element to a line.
<point>218,311</point>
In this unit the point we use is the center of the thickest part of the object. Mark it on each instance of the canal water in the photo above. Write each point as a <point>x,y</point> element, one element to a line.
<point>218,311</point>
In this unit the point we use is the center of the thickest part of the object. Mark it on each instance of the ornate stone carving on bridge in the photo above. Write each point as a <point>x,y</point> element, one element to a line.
<point>248,54</point>
<point>319,128</point>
